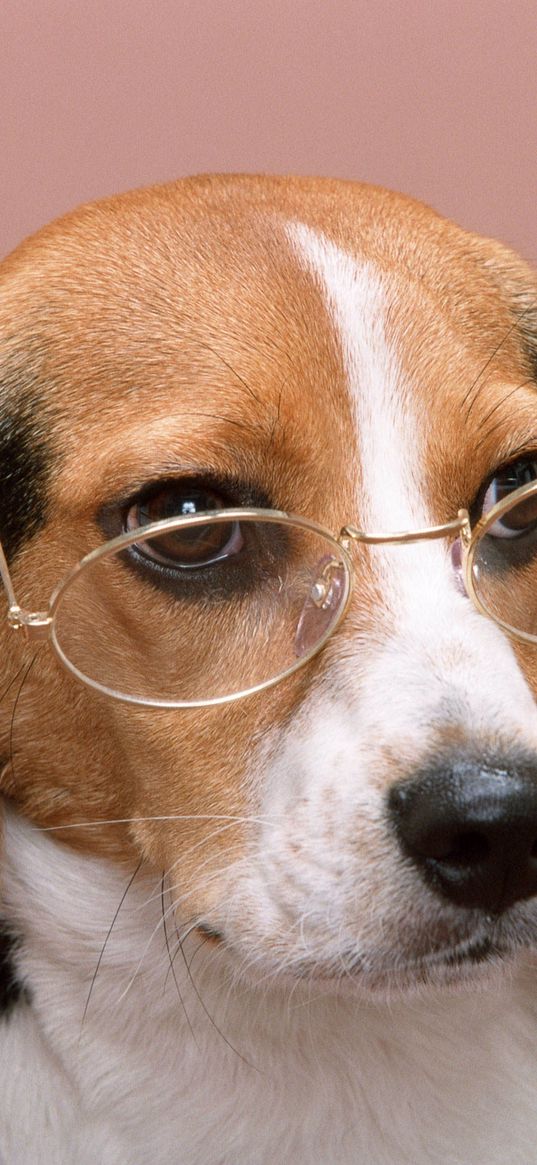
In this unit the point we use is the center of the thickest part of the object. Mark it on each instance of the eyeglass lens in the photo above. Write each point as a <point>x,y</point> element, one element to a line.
<point>203,611</point>
<point>504,567</point>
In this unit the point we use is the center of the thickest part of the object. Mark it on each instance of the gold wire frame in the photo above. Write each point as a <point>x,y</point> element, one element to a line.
<point>477,534</point>
<point>39,625</point>
<point>167,526</point>
<point>146,534</point>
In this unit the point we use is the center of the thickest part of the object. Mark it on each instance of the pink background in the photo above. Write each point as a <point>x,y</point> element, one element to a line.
<point>434,97</point>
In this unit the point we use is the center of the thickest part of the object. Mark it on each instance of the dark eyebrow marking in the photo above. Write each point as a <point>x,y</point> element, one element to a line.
<point>26,455</point>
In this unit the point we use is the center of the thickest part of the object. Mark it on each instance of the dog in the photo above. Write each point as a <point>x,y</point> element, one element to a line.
<point>269,777</point>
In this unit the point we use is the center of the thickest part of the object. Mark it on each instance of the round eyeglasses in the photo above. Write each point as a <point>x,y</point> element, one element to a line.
<point>205,609</point>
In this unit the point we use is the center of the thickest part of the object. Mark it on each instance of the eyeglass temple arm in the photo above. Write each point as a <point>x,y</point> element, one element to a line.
<point>6,579</point>
<point>35,623</point>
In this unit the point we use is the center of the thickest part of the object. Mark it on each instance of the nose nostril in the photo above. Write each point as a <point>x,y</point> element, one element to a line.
<point>467,849</point>
<point>471,831</point>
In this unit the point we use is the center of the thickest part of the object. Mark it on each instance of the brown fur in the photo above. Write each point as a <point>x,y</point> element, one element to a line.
<point>173,326</point>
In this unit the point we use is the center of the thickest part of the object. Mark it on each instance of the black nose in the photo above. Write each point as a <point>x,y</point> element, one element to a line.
<point>472,831</point>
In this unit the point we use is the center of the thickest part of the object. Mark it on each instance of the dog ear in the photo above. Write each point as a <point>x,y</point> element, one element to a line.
<point>1,841</point>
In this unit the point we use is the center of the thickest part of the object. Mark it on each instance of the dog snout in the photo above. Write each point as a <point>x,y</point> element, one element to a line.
<point>471,830</point>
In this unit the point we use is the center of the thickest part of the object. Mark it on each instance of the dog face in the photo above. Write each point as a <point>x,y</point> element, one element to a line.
<point>332,351</point>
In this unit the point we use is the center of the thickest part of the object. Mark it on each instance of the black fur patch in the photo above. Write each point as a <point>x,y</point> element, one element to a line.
<point>12,991</point>
<point>25,455</point>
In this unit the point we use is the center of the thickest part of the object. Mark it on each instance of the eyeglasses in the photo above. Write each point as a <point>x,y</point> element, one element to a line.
<point>205,609</point>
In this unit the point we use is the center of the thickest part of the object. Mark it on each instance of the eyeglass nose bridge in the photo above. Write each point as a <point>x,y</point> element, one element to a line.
<point>459,526</point>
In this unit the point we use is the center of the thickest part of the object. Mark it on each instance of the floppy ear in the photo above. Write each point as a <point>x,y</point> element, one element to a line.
<point>24,463</point>
<point>2,875</point>
<point>2,861</point>
<point>11,989</point>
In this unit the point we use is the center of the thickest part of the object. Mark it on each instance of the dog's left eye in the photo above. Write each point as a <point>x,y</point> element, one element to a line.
<point>523,517</point>
<point>190,546</point>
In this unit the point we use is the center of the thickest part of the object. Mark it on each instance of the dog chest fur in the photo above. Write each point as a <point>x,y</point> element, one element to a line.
<point>446,1080</point>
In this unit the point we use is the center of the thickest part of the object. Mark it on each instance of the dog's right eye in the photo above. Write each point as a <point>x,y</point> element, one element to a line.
<point>523,517</point>
<point>190,546</point>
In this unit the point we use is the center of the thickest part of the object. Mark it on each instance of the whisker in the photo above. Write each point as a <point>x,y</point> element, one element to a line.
<point>504,398</point>
<point>180,940</point>
<point>11,682</point>
<point>14,710</point>
<point>159,817</point>
<point>152,935</point>
<point>140,961</point>
<point>172,968</point>
<point>188,966</point>
<point>108,933</point>
<point>499,427</point>
<point>488,362</point>
<point>199,845</point>
<point>230,368</point>
<point>201,883</point>
<point>201,944</point>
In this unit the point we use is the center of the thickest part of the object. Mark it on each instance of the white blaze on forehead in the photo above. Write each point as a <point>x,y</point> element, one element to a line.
<point>438,647</point>
<point>387,427</point>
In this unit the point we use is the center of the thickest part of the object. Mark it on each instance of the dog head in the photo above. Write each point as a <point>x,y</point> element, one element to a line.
<point>322,349</point>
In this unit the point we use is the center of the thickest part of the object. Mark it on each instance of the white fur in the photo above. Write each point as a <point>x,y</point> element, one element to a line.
<point>343,1070</point>
<point>435,647</point>
<point>435,1079</point>
<point>325,884</point>
<point>387,428</point>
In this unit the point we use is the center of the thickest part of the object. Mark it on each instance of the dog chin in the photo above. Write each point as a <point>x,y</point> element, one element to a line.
<point>450,971</point>
<point>383,976</point>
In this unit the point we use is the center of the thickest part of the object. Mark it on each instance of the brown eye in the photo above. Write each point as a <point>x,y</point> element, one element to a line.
<point>192,545</point>
<point>522,518</point>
